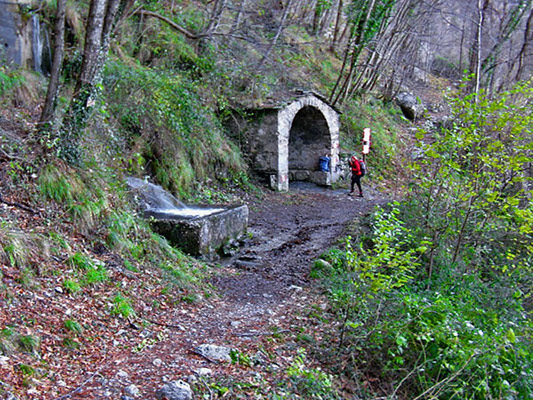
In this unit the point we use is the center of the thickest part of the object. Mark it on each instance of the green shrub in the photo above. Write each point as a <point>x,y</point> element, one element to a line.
<point>94,275</point>
<point>28,343</point>
<point>466,337</point>
<point>80,261</point>
<point>311,383</point>
<point>73,326</point>
<point>122,306</point>
<point>9,80</point>
<point>71,286</point>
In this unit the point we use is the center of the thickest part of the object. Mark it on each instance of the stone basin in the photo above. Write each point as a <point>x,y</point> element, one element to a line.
<point>197,230</point>
<point>200,230</point>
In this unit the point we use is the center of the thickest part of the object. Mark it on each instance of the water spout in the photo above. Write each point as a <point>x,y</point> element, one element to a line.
<point>153,196</point>
<point>37,44</point>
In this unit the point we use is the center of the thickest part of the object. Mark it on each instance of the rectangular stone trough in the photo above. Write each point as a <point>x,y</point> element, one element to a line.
<point>201,230</point>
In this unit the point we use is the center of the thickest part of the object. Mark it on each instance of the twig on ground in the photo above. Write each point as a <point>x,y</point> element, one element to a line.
<point>68,395</point>
<point>18,205</point>
<point>261,333</point>
<point>163,324</point>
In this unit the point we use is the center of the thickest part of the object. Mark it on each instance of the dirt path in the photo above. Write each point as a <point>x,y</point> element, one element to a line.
<point>266,284</point>
<point>289,232</point>
<point>263,287</point>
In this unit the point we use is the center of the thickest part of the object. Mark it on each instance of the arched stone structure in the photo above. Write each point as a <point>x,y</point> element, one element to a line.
<point>313,141</point>
<point>283,141</point>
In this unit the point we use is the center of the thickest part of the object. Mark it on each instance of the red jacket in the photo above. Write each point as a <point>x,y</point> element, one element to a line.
<point>355,166</point>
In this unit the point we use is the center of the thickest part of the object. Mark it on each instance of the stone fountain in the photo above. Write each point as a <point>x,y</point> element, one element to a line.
<point>199,230</point>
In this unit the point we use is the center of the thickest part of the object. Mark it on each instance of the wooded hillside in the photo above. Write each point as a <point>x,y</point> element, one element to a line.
<point>426,297</point>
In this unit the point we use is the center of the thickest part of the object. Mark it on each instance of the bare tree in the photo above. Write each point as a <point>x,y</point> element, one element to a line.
<point>510,17</point>
<point>354,48</point>
<point>216,15</point>
<point>525,49</point>
<point>238,17</point>
<point>475,55</point>
<point>53,85</point>
<point>281,26</point>
<point>100,21</point>
<point>337,25</point>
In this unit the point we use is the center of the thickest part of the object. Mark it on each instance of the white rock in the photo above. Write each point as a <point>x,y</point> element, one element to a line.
<point>122,374</point>
<point>132,390</point>
<point>204,372</point>
<point>219,353</point>
<point>177,390</point>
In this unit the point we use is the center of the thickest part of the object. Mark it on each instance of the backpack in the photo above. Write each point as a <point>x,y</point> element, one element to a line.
<point>362,165</point>
<point>323,164</point>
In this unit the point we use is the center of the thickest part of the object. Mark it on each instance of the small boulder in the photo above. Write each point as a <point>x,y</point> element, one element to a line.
<point>213,352</point>
<point>409,105</point>
<point>177,390</point>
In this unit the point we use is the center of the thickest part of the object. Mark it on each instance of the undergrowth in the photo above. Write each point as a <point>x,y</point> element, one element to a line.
<point>463,338</point>
<point>170,133</point>
<point>385,123</point>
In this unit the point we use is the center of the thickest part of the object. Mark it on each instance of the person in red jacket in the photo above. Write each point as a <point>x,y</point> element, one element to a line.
<point>357,174</point>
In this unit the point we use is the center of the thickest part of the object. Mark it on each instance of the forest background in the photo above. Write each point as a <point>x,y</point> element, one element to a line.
<point>429,299</point>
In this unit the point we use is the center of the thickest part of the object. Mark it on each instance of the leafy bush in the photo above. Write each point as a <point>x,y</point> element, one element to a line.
<point>459,330</point>
<point>462,338</point>
<point>122,306</point>
<point>311,383</point>
<point>9,80</point>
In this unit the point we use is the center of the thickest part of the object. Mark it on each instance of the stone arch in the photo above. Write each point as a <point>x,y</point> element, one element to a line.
<point>323,138</point>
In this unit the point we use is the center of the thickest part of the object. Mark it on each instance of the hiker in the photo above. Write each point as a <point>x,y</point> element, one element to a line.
<point>358,171</point>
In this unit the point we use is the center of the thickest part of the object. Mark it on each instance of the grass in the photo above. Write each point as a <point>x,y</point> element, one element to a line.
<point>385,123</point>
<point>28,343</point>
<point>122,307</point>
<point>71,286</point>
<point>73,326</point>
<point>14,247</point>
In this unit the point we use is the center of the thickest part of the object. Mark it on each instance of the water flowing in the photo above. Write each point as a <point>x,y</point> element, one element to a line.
<point>36,44</point>
<point>156,200</point>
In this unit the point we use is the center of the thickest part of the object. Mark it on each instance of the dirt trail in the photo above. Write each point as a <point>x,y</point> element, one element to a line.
<point>265,285</point>
<point>289,231</point>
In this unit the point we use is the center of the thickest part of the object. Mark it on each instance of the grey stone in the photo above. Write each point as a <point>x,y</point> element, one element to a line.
<point>178,390</point>
<point>132,390</point>
<point>198,230</point>
<point>203,235</point>
<point>213,352</point>
<point>281,140</point>
<point>409,105</point>
<point>204,372</point>
<point>321,178</point>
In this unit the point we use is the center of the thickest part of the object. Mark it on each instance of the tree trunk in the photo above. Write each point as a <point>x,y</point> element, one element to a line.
<point>100,21</point>
<point>475,54</point>
<point>337,26</point>
<point>53,86</point>
<point>238,17</point>
<point>93,45</point>
<point>524,51</point>
<point>356,51</point>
